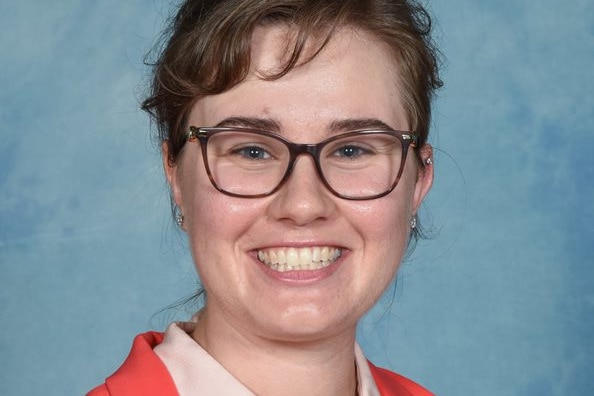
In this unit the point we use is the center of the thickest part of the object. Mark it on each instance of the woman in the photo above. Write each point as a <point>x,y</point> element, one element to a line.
<point>294,142</point>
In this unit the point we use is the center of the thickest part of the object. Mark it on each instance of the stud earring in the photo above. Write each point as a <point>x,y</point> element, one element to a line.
<point>413,222</point>
<point>429,161</point>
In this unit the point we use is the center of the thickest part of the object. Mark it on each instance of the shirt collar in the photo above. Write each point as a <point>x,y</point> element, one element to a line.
<point>194,371</point>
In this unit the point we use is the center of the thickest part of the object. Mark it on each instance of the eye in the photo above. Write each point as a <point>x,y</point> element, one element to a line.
<point>252,153</point>
<point>350,152</point>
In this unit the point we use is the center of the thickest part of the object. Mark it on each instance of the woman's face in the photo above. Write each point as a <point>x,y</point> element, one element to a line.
<point>353,79</point>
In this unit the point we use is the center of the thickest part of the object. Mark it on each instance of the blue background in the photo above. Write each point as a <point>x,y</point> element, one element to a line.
<point>499,302</point>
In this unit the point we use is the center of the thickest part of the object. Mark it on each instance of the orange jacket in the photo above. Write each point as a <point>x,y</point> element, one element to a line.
<point>144,374</point>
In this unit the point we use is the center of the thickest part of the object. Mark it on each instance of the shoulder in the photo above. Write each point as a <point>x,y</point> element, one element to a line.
<point>142,373</point>
<point>101,390</point>
<point>393,384</point>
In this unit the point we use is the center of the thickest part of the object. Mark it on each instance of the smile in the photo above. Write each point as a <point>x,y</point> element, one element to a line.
<point>299,259</point>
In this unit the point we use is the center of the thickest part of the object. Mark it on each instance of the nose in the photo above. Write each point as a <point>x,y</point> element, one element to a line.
<point>303,198</point>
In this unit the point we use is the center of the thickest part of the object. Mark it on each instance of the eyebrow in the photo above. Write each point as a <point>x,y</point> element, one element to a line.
<point>356,124</point>
<point>266,124</point>
<point>337,126</point>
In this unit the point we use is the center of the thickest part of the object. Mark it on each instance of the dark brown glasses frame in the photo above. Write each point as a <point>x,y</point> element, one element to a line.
<point>202,134</point>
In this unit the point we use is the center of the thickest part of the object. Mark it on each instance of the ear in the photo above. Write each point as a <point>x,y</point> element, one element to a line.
<point>171,173</point>
<point>424,177</point>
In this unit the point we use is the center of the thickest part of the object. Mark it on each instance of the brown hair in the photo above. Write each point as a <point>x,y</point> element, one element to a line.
<point>206,50</point>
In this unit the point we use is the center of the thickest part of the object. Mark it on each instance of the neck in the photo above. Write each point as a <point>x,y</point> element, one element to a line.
<point>324,366</point>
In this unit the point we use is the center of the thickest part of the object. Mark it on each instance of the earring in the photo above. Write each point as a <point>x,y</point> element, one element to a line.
<point>179,217</point>
<point>429,161</point>
<point>413,222</point>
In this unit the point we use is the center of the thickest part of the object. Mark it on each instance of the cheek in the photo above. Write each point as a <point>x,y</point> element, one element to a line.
<point>217,222</point>
<point>381,225</point>
<point>217,225</point>
<point>207,211</point>
<point>384,225</point>
<point>217,229</point>
<point>383,219</point>
<point>390,237</point>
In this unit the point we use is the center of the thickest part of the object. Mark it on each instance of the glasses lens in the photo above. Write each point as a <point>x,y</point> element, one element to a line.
<point>363,165</point>
<point>246,163</point>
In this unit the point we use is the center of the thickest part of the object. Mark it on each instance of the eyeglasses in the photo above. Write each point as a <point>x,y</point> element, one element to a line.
<point>250,163</point>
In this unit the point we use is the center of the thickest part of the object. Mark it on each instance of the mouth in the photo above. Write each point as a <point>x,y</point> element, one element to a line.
<point>299,259</point>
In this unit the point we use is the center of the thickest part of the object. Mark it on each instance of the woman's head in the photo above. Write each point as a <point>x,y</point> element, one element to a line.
<point>207,50</point>
<point>301,262</point>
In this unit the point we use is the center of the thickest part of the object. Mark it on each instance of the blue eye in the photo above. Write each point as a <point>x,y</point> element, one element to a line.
<point>253,152</point>
<point>351,152</point>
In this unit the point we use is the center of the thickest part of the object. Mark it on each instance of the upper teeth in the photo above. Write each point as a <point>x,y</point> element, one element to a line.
<point>291,259</point>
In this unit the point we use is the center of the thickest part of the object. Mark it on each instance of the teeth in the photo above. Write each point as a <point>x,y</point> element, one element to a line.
<point>292,258</point>
<point>295,259</point>
<point>305,257</point>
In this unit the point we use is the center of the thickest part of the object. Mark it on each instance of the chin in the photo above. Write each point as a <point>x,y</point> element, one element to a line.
<point>305,323</point>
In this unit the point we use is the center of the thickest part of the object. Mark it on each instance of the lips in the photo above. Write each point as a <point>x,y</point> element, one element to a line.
<point>299,259</point>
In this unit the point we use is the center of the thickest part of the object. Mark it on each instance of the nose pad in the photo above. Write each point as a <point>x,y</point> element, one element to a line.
<point>303,198</point>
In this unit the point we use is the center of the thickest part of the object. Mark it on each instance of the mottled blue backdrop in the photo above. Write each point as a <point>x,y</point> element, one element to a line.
<point>500,302</point>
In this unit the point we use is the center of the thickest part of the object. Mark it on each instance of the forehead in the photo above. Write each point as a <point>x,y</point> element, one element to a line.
<point>353,77</point>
